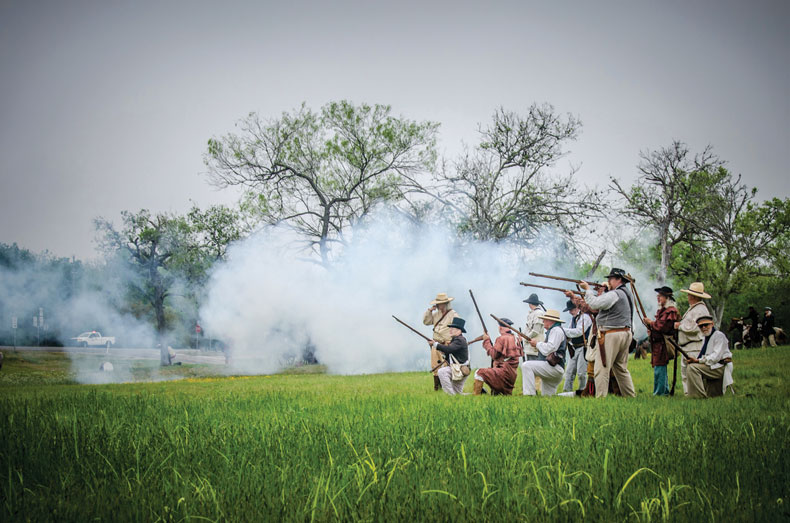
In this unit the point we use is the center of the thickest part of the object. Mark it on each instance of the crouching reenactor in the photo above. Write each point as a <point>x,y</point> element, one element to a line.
<point>504,353</point>
<point>456,354</point>
<point>550,362</point>
<point>714,361</point>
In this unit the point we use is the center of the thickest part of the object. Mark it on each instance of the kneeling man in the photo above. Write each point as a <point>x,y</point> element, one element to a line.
<point>456,351</point>
<point>550,362</point>
<point>505,353</point>
<point>714,360</point>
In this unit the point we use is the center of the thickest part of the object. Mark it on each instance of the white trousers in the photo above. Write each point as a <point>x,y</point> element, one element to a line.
<point>550,377</point>
<point>448,385</point>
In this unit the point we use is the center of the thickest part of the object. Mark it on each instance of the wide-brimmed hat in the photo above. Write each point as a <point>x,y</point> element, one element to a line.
<point>442,297</point>
<point>665,291</point>
<point>617,273</point>
<point>458,323</point>
<point>533,300</point>
<point>570,306</point>
<point>696,289</point>
<point>553,315</point>
<point>702,320</point>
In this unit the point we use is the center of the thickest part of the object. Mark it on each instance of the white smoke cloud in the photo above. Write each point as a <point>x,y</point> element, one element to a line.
<point>268,302</point>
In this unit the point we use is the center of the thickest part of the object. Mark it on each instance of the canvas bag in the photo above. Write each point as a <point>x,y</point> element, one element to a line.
<point>457,370</point>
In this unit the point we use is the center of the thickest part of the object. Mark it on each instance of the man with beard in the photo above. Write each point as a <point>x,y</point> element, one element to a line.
<point>714,361</point>
<point>689,335</point>
<point>440,314</point>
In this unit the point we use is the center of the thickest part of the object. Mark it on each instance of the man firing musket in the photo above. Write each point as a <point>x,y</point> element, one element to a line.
<point>440,314</point>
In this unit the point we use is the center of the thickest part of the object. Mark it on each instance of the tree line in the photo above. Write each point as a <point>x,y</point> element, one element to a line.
<point>322,171</point>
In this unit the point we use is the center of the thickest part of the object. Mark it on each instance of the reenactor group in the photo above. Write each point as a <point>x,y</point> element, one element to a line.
<point>593,347</point>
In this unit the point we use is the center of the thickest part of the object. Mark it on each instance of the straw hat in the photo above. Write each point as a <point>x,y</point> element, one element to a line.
<point>442,297</point>
<point>696,289</point>
<point>553,315</point>
<point>704,320</point>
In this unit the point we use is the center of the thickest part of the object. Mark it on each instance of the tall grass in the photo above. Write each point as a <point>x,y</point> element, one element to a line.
<point>318,447</point>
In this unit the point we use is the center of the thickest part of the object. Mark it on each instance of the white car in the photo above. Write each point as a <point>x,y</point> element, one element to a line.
<point>94,339</point>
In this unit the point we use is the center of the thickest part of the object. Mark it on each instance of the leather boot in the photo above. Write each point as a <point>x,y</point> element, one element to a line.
<point>479,387</point>
<point>436,383</point>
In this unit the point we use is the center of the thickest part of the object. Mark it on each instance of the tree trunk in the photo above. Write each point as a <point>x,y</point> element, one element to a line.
<point>666,254</point>
<point>323,247</point>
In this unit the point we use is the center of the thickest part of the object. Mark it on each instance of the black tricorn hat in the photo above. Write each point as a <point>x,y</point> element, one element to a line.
<point>617,273</point>
<point>569,306</point>
<point>505,322</point>
<point>533,300</point>
<point>666,291</point>
<point>458,323</point>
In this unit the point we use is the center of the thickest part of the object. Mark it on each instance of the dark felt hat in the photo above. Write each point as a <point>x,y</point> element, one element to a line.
<point>505,322</point>
<point>617,273</point>
<point>533,300</point>
<point>458,323</point>
<point>569,306</point>
<point>666,291</point>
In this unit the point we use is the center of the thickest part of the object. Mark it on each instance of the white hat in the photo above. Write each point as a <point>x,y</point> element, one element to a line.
<point>696,289</point>
<point>442,297</point>
<point>553,315</point>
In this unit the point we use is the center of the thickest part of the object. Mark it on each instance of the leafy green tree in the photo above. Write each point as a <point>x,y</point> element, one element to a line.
<point>321,171</point>
<point>671,195</point>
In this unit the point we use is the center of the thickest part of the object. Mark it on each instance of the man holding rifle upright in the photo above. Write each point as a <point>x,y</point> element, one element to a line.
<point>615,313</point>
<point>440,314</point>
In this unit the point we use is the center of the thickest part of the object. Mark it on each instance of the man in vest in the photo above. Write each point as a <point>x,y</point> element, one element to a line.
<point>440,314</point>
<point>714,360</point>
<point>578,332</point>
<point>550,362</point>
<point>459,350</point>
<point>689,335</point>
<point>615,312</point>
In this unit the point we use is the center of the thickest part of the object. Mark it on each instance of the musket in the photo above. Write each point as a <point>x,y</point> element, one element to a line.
<point>485,331</point>
<point>580,293</point>
<point>500,322</point>
<point>415,331</point>
<point>592,284</point>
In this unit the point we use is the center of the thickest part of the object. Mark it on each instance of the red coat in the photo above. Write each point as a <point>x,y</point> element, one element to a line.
<point>664,324</point>
<point>502,376</point>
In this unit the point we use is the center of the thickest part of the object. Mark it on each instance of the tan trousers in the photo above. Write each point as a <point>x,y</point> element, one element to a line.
<point>771,339</point>
<point>692,349</point>
<point>616,346</point>
<point>436,357</point>
<point>695,372</point>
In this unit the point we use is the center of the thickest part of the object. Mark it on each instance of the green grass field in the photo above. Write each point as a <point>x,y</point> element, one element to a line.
<point>385,448</point>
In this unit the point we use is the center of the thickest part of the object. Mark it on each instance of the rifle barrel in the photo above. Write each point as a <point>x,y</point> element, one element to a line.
<point>415,331</point>
<point>561,278</point>
<point>478,311</point>
<point>580,293</point>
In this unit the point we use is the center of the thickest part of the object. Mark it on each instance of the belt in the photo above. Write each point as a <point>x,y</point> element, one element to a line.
<point>621,329</point>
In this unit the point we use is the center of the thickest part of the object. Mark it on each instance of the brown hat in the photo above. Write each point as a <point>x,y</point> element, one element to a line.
<point>696,289</point>
<point>442,297</point>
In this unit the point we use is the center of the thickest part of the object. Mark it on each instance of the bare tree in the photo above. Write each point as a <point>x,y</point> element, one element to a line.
<point>670,194</point>
<point>320,172</point>
<point>503,189</point>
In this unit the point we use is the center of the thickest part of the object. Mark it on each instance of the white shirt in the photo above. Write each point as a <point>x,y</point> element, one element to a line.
<point>718,348</point>
<point>556,337</point>
<point>688,332</point>
<point>582,324</point>
<point>534,330</point>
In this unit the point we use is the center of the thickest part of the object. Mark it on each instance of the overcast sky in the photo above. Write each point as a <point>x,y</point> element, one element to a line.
<point>106,106</point>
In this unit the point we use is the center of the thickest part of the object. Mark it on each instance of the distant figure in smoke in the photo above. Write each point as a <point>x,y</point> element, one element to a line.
<point>769,334</point>
<point>754,328</point>
<point>440,314</point>
<point>534,329</point>
<point>164,355</point>
<point>505,353</point>
<point>456,354</point>
<point>550,363</point>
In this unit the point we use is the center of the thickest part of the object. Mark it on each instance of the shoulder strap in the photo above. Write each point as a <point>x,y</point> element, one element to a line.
<point>440,319</point>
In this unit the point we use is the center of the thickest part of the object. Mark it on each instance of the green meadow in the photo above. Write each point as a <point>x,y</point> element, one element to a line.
<point>314,447</point>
